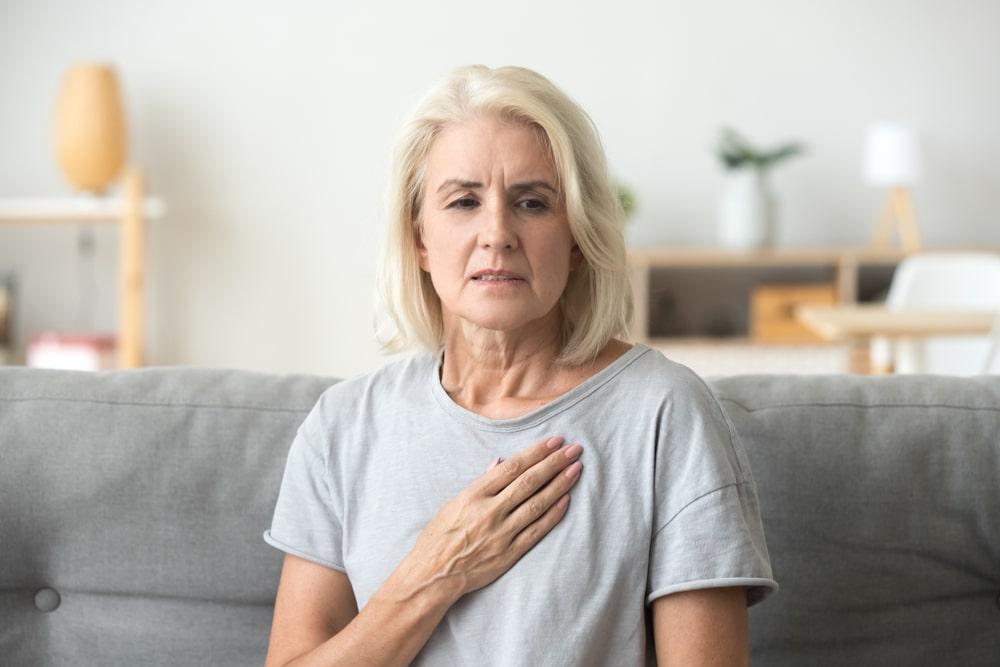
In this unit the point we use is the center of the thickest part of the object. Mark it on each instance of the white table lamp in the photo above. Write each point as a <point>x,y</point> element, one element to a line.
<point>892,160</point>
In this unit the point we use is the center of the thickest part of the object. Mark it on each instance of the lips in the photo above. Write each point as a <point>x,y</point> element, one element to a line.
<point>495,274</point>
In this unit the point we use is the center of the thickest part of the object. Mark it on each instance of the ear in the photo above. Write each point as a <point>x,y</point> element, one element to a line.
<point>421,248</point>
<point>575,257</point>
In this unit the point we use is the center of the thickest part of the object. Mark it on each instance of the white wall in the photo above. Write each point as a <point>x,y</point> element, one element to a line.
<point>266,127</point>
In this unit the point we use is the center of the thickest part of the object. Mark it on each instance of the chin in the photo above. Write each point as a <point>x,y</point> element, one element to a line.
<point>496,324</point>
<point>496,318</point>
<point>500,321</point>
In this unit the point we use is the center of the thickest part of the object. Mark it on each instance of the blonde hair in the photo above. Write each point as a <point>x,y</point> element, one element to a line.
<point>597,304</point>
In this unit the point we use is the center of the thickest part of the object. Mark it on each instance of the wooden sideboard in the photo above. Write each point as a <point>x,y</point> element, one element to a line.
<point>703,297</point>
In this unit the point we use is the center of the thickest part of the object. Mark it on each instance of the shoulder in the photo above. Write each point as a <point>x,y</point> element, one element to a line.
<point>669,380</point>
<point>360,396</point>
<point>682,398</point>
<point>694,418</point>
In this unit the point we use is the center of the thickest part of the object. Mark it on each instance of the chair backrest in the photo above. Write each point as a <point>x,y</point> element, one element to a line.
<point>991,365</point>
<point>948,280</point>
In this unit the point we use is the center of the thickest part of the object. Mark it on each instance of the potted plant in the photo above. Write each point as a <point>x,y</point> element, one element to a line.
<point>626,197</point>
<point>748,207</point>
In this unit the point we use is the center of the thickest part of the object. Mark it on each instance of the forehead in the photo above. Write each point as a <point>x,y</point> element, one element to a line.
<point>479,147</point>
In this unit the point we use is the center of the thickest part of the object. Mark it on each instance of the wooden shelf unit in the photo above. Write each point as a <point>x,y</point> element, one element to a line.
<point>717,283</point>
<point>129,209</point>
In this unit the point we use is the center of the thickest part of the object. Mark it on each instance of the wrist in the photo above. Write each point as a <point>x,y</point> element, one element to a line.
<point>431,594</point>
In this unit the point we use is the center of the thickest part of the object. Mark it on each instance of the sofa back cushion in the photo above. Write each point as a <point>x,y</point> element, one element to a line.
<point>136,501</point>
<point>880,498</point>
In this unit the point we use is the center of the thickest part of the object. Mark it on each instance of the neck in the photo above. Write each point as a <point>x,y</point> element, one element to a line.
<point>482,366</point>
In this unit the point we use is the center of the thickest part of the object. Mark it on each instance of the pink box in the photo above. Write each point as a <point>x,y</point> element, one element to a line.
<point>82,352</point>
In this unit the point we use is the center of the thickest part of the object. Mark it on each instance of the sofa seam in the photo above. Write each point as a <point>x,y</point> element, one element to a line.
<point>225,406</point>
<point>859,405</point>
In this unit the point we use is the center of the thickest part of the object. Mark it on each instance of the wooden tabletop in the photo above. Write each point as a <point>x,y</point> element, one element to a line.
<point>845,321</point>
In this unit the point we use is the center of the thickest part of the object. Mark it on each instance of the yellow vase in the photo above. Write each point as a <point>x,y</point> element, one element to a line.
<point>91,140</point>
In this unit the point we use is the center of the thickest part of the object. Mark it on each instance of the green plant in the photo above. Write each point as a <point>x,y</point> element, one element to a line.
<point>627,199</point>
<point>735,151</point>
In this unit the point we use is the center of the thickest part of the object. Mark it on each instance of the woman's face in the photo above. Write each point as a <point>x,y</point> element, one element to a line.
<point>490,202</point>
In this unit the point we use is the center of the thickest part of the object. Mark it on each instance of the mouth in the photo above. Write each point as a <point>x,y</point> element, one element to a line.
<point>497,279</point>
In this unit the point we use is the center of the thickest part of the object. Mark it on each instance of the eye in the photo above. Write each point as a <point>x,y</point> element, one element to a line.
<point>533,204</point>
<point>458,203</point>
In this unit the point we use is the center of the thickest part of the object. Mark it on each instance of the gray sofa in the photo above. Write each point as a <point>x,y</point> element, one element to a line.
<point>133,504</point>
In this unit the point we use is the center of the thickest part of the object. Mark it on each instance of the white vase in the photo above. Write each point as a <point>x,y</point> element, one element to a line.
<point>746,215</point>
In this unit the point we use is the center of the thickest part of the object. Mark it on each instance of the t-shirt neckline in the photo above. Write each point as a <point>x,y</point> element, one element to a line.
<point>538,415</point>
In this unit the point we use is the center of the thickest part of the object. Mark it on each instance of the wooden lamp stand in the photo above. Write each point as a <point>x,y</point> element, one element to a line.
<point>898,212</point>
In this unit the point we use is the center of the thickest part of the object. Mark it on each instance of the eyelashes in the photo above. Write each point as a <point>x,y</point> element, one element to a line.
<point>537,205</point>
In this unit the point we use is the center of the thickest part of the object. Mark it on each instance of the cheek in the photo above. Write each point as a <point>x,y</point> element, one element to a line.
<point>555,252</point>
<point>551,264</point>
<point>445,259</point>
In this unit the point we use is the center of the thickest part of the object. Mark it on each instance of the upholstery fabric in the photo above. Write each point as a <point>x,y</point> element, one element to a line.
<point>139,497</point>
<point>133,503</point>
<point>880,498</point>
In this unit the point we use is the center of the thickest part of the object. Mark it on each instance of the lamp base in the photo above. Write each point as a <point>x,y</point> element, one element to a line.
<point>898,212</point>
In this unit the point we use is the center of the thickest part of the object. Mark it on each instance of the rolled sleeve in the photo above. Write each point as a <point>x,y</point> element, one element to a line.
<point>707,526</point>
<point>715,541</point>
<point>307,518</point>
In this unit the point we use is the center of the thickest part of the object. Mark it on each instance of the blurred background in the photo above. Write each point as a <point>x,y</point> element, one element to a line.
<point>263,134</point>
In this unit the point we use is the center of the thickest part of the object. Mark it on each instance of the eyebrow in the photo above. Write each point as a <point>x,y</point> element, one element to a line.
<point>472,185</point>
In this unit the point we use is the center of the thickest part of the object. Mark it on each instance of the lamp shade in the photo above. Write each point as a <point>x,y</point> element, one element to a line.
<point>892,156</point>
<point>90,134</point>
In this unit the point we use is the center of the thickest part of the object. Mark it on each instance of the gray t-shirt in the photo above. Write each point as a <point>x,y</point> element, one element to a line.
<point>666,502</point>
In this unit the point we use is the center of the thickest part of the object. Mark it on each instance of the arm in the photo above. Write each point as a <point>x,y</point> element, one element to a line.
<point>702,627</point>
<point>316,620</point>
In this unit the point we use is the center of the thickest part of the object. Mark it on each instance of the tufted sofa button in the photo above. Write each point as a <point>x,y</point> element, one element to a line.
<point>47,599</point>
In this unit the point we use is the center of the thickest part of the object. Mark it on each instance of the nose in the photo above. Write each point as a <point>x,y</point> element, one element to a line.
<point>497,230</point>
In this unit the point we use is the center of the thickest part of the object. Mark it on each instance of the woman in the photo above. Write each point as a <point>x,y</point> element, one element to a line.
<point>506,262</point>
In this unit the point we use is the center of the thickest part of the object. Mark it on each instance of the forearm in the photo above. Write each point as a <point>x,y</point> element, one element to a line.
<point>389,630</point>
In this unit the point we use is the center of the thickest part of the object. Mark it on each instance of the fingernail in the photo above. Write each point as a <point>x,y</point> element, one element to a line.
<point>553,443</point>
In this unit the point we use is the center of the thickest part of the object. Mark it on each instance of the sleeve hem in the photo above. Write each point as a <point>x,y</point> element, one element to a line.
<point>301,554</point>
<point>765,587</point>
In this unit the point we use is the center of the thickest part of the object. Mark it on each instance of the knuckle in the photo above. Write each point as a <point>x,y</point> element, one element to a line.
<point>468,497</point>
<point>511,466</point>
<point>529,482</point>
<point>535,508</point>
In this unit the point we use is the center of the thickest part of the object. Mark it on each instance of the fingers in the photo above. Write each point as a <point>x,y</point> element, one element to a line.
<point>564,474</point>
<point>534,478</point>
<point>534,532</point>
<point>497,478</point>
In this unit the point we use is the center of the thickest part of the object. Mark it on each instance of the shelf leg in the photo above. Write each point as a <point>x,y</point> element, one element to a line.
<point>859,349</point>
<point>131,307</point>
<point>640,301</point>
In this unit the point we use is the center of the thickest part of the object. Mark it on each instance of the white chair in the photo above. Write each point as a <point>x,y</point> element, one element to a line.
<point>960,281</point>
<point>992,364</point>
